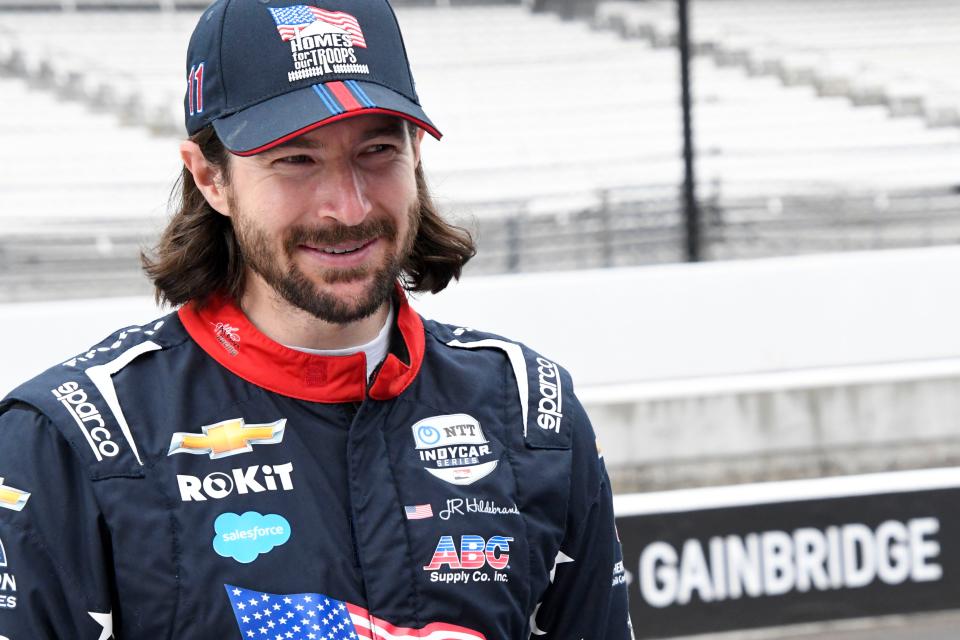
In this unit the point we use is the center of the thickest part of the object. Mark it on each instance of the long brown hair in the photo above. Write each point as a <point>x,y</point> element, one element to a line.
<point>198,254</point>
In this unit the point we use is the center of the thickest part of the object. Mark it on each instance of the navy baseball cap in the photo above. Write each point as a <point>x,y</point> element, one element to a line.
<point>265,71</point>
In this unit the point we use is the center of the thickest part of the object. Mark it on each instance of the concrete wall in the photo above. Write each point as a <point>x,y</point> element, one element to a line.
<point>830,423</point>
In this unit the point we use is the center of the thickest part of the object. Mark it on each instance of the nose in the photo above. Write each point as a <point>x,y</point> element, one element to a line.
<point>343,196</point>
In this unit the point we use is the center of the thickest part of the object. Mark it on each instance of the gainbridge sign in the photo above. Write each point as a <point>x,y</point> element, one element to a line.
<point>762,555</point>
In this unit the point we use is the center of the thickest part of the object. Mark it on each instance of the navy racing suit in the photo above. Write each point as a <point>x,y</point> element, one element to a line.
<point>191,478</point>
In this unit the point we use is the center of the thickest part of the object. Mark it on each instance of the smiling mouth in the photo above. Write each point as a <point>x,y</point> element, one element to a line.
<point>339,251</point>
<point>343,249</point>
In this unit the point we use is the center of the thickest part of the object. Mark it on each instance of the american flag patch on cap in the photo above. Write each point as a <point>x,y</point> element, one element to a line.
<point>291,21</point>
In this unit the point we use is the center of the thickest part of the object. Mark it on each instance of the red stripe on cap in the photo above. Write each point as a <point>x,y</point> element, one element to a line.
<point>343,94</point>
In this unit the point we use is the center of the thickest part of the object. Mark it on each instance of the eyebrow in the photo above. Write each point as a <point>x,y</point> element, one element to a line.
<point>394,129</point>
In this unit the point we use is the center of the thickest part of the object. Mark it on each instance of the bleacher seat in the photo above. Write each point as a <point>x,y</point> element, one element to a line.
<point>908,50</point>
<point>545,119</point>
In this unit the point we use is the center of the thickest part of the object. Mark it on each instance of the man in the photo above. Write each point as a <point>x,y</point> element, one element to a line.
<point>295,453</point>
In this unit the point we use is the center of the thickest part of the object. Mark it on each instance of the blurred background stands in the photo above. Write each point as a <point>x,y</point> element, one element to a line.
<point>820,126</point>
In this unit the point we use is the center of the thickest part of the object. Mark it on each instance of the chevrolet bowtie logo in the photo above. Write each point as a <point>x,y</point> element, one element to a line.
<point>227,438</point>
<point>11,498</point>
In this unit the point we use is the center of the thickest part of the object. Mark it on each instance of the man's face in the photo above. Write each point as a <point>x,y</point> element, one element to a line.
<point>328,219</point>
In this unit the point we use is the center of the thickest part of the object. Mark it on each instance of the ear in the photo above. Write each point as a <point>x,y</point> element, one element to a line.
<point>206,176</point>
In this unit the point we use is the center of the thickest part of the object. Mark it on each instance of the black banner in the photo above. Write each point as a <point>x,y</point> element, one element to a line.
<point>718,568</point>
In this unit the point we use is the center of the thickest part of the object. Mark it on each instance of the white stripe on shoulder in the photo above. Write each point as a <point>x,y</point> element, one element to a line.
<point>102,377</point>
<point>517,361</point>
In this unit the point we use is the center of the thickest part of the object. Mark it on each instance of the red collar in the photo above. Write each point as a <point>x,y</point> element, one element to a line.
<point>224,332</point>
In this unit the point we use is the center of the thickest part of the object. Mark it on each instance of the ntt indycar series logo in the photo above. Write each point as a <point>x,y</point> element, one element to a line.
<point>453,448</point>
<point>475,554</point>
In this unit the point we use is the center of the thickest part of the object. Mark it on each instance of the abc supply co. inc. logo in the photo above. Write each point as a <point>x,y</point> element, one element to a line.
<point>453,448</point>
<point>467,565</point>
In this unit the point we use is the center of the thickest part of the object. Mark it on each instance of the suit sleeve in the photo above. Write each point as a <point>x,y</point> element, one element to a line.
<point>587,596</point>
<point>53,582</point>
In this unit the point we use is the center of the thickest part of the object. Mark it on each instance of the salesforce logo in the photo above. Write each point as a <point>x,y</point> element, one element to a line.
<point>245,537</point>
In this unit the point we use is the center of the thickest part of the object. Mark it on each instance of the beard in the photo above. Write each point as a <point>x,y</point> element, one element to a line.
<point>290,282</point>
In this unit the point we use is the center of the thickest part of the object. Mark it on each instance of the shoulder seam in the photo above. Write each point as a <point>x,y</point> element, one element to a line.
<point>121,335</point>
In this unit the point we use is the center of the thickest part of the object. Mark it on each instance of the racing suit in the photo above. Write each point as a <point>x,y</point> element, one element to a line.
<point>191,478</point>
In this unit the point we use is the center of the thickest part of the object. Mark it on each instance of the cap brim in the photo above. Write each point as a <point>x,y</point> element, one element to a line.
<point>277,120</point>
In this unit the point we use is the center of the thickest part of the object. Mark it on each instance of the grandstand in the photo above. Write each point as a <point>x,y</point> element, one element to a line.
<point>560,179</point>
<point>69,224</point>
<point>562,141</point>
<point>895,54</point>
<point>556,176</point>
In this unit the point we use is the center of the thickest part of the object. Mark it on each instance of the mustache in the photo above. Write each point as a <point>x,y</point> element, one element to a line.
<point>337,232</point>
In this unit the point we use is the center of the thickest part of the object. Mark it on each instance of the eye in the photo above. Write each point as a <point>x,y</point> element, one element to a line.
<point>376,149</point>
<point>296,159</point>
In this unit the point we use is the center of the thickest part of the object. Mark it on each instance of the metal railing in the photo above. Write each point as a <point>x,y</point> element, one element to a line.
<point>54,259</point>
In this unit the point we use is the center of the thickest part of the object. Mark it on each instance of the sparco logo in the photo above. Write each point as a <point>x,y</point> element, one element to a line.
<point>454,448</point>
<point>88,418</point>
<point>218,485</point>
<point>550,407</point>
